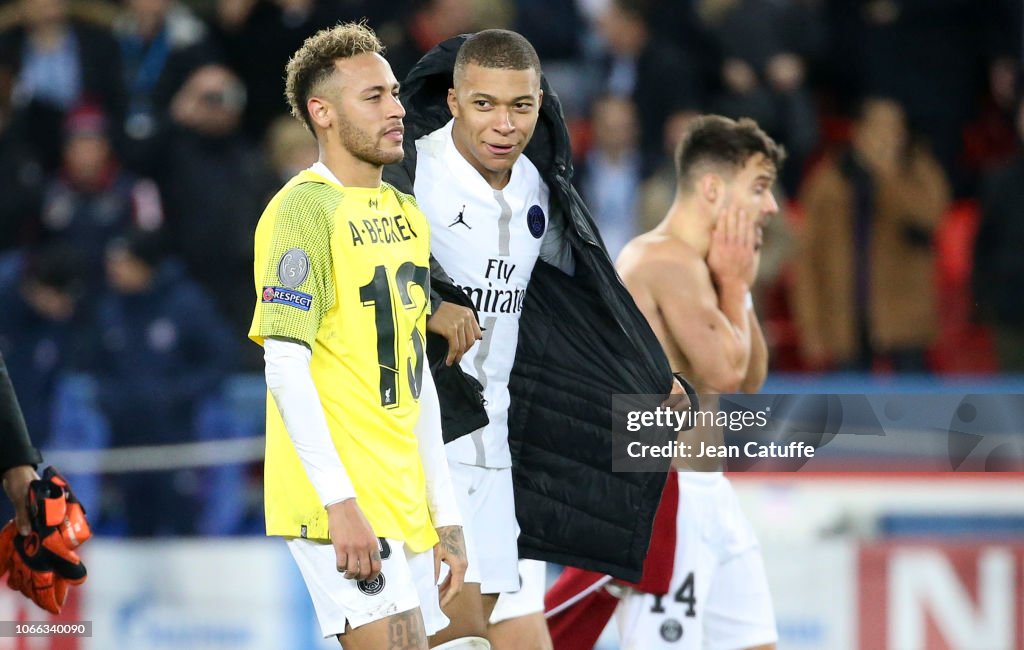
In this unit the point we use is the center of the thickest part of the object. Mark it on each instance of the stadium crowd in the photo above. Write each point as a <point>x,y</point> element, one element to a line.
<point>140,141</point>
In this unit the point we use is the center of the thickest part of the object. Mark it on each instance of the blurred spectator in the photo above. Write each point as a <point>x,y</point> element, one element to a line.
<point>1004,33</point>
<point>765,46</point>
<point>934,56</point>
<point>865,285</point>
<point>162,350</point>
<point>660,78</point>
<point>609,176</point>
<point>36,330</point>
<point>999,257</point>
<point>558,32</point>
<point>216,183</point>
<point>659,190</point>
<point>554,28</point>
<point>260,35</point>
<point>21,172</point>
<point>290,147</point>
<point>94,198</point>
<point>161,42</point>
<point>58,62</point>
<point>494,14</point>
<point>430,22</point>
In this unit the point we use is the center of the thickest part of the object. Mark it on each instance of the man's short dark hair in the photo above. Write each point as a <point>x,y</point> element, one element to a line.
<point>497,49</point>
<point>313,63</point>
<point>722,142</point>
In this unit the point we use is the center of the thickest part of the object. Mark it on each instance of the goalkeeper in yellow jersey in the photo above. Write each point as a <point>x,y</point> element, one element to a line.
<point>356,478</point>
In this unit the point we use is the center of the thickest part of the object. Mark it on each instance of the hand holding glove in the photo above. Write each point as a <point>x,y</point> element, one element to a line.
<point>43,563</point>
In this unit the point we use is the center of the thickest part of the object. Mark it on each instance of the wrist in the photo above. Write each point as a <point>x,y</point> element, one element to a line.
<point>444,512</point>
<point>435,304</point>
<point>432,322</point>
<point>339,504</point>
<point>451,519</point>
<point>25,472</point>
<point>735,292</point>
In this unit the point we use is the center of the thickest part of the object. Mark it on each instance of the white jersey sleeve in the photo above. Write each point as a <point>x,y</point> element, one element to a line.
<point>291,385</point>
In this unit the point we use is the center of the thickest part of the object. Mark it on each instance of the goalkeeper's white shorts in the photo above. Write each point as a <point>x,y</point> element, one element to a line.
<point>406,581</point>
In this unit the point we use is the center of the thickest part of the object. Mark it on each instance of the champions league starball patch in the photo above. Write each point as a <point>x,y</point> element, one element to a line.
<point>293,267</point>
<point>535,220</point>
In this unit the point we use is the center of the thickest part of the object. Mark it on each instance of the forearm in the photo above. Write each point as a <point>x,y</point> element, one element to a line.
<point>733,302</point>
<point>291,384</point>
<point>15,447</point>
<point>444,510</point>
<point>757,370</point>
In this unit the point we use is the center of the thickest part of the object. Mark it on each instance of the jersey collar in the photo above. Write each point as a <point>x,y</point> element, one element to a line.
<point>322,170</point>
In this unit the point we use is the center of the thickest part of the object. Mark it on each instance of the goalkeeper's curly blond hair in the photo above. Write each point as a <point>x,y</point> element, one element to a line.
<point>313,63</point>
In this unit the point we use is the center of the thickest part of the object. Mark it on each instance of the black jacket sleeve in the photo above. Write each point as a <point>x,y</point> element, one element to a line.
<point>460,394</point>
<point>15,446</point>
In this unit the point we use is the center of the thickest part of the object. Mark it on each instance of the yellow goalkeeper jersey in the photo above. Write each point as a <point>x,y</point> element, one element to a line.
<point>346,270</point>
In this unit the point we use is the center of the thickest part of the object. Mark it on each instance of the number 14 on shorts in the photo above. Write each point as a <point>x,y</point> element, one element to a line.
<point>685,594</point>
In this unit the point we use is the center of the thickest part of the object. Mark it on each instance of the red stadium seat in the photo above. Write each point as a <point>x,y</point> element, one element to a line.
<point>963,346</point>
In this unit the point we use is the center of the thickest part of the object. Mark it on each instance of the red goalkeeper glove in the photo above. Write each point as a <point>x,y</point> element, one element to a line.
<point>43,563</point>
<point>56,505</point>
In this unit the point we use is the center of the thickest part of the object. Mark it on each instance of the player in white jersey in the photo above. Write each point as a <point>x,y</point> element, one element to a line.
<point>490,222</point>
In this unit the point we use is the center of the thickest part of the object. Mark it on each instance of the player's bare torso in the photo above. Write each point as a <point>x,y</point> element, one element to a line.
<point>654,267</point>
<point>657,269</point>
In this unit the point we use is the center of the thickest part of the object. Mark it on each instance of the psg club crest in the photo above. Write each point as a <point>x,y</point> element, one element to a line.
<point>535,220</point>
<point>671,630</point>
<point>372,587</point>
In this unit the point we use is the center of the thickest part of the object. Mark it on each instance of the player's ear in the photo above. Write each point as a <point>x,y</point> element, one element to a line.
<point>319,112</point>
<point>540,99</point>
<point>453,104</point>
<point>710,187</point>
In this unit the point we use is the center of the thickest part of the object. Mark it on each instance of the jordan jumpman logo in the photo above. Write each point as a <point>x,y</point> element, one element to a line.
<point>459,219</point>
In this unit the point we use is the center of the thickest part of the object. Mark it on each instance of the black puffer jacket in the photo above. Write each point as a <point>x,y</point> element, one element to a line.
<point>581,339</point>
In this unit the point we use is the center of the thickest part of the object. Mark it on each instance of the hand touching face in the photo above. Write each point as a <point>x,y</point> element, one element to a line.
<point>738,231</point>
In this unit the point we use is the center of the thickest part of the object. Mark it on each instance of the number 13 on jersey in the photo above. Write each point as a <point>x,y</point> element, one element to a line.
<point>387,316</point>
